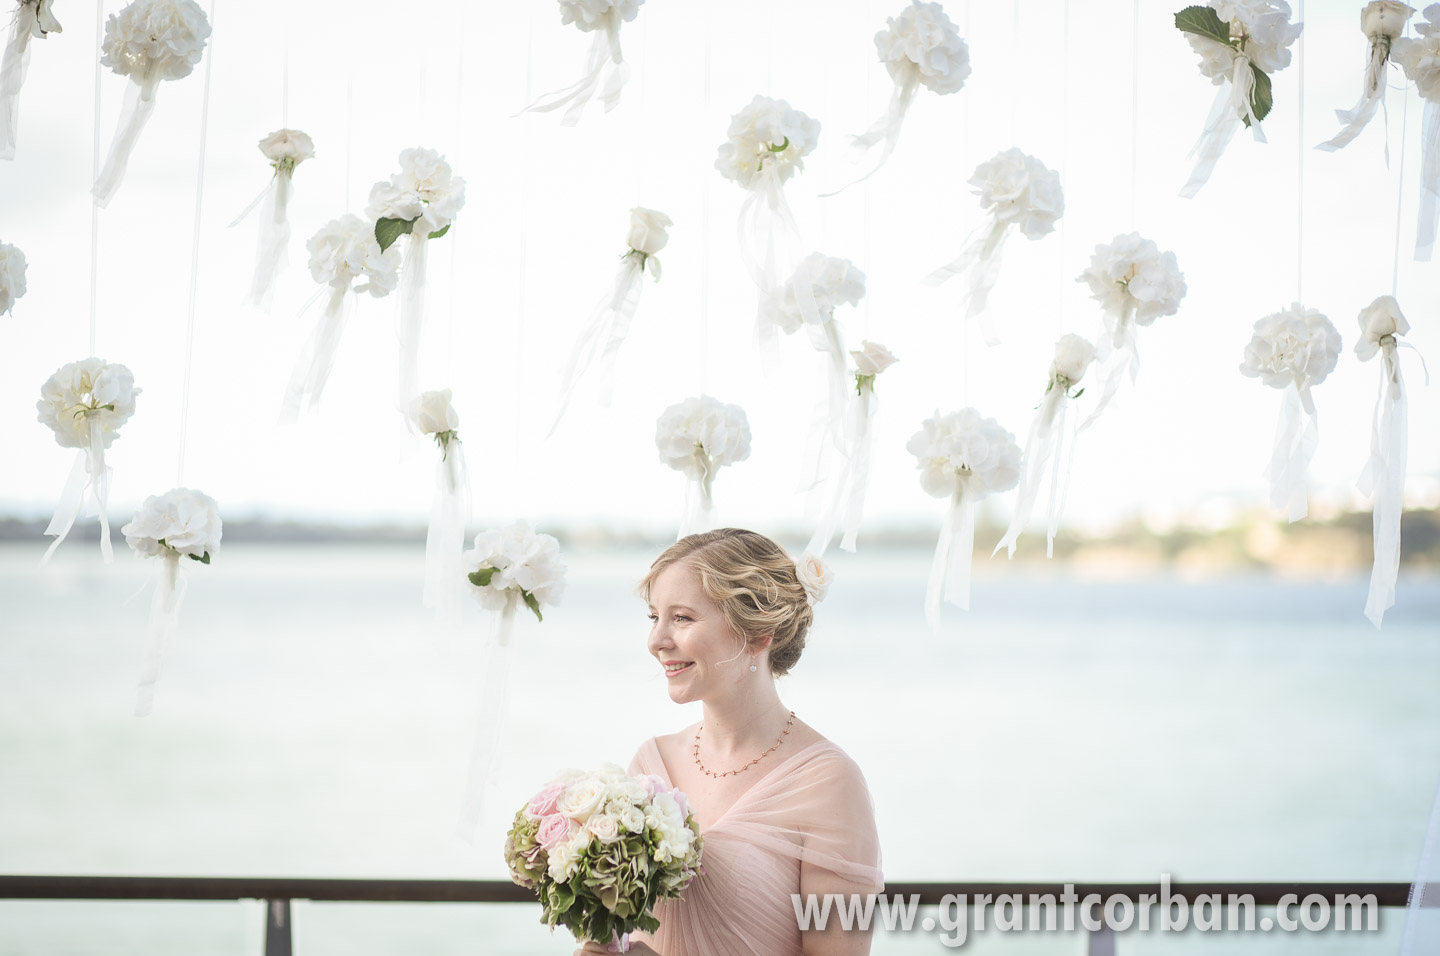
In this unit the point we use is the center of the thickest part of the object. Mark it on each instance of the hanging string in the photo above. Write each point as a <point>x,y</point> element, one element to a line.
<point>1300,165</point>
<point>705,232</point>
<point>459,153</point>
<point>1134,106</point>
<point>195,257</point>
<point>965,165</point>
<point>1400,194</point>
<point>1061,284</point>
<point>523,253</point>
<point>95,173</point>
<point>349,131</point>
<point>1014,45</point>
<point>285,83</point>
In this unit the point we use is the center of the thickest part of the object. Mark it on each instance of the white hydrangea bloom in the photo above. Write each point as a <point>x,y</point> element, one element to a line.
<point>965,451</point>
<point>1266,27</point>
<point>79,393</point>
<point>182,521</point>
<point>767,134</point>
<point>591,15</point>
<point>159,37</point>
<point>346,249</point>
<point>12,276</point>
<point>523,561</point>
<point>1131,274</point>
<point>921,43</point>
<point>834,282</point>
<point>425,190</point>
<point>1419,56</point>
<point>1294,346</point>
<point>1017,188</point>
<point>700,434</point>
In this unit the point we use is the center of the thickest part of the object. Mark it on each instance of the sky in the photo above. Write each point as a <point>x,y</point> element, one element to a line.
<point>1107,93</point>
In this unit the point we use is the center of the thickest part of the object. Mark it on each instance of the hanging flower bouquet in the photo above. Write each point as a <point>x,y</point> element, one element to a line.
<point>432,414</point>
<point>84,404</point>
<point>148,41</point>
<point>1016,190</point>
<point>1381,324</point>
<point>766,144</point>
<point>32,19</point>
<point>1135,283</point>
<point>1292,350</point>
<point>862,404</point>
<point>12,276</point>
<point>603,18</point>
<point>698,437</point>
<point>600,849</point>
<point>505,570</point>
<point>1383,21</point>
<point>178,524</point>
<point>421,201</point>
<point>1420,59</point>
<point>920,47</point>
<point>343,251</point>
<point>1240,42</point>
<point>1073,355</point>
<point>962,457</point>
<point>286,149</point>
<point>600,343</point>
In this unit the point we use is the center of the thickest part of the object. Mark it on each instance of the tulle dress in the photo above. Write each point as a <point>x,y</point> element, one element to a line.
<point>812,807</point>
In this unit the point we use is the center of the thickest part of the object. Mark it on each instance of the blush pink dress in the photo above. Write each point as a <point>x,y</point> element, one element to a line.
<point>813,806</point>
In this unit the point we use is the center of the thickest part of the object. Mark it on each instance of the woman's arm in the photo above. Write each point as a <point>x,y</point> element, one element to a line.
<point>834,940</point>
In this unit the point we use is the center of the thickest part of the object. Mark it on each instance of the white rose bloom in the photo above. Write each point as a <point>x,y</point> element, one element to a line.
<point>1297,345</point>
<point>432,412</point>
<point>289,146</point>
<point>183,521</point>
<point>1131,273</point>
<point>1018,188</point>
<point>720,431</point>
<point>1073,355</point>
<point>1419,56</point>
<point>873,358</point>
<point>581,799</point>
<point>83,392</point>
<point>922,43</point>
<point>962,450</point>
<point>632,818</point>
<point>346,249</point>
<point>766,134</point>
<point>164,36</point>
<point>12,276</point>
<point>647,230</point>
<point>1377,320</point>
<point>1385,18</point>
<point>597,14</point>
<point>815,575</point>
<point>602,827</point>
<point>523,559</point>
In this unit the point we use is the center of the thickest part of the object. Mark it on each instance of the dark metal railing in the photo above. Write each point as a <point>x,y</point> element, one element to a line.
<point>277,892</point>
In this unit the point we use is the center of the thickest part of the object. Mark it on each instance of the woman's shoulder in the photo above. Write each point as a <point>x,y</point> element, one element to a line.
<point>826,753</point>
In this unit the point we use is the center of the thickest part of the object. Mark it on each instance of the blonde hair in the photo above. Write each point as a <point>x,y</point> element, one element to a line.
<point>752,581</point>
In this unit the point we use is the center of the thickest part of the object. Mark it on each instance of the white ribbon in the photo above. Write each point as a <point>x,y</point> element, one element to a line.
<point>600,342</point>
<point>270,254</point>
<point>411,316</point>
<point>604,50</point>
<point>950,571</point>
<point>312,368</point>
<point>1116,352</point>
<point>1231,107</point>
<point>490,724</point>
<point>12,75</point>
<point>1429,182</point>
<point>87,487</point>
<point>1042,446</point>
<point>1359,116</point>
<point>1296,436</point>
<point>445,539</point>
<point>765,219</point>
<point>846,506</point>
<point>139,104</point>
<point>980,262</point>
<point>164,619</point>
<point>886,129</point>
<point>825,338</point>
<point>699,497</point>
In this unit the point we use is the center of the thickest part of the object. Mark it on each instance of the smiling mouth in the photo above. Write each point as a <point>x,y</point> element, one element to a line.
<point>678,668</point>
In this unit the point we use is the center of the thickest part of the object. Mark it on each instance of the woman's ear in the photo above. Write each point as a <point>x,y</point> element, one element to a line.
<point>763,642</point>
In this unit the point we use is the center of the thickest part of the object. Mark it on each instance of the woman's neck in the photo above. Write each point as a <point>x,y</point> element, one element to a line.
<point>749,720</point>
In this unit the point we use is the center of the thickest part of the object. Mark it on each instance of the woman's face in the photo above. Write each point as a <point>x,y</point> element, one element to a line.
<point>690,638</point>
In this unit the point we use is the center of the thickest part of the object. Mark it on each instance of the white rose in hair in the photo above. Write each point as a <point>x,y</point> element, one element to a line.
<point>12,276</point>
<point>181,521</point>
<point>923,44</point>
<point>1073,355</point>
<point>815,575</point>
<point>767,134</point>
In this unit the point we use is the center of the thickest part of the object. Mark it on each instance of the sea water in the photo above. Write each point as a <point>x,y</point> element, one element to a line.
<point>311,720</point>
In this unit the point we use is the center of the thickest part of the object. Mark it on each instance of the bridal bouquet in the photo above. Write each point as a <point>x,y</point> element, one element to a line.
<point>602,18</point>
<point>599,849</point>
<point>1240,43</point>
<point>148,41</point>
<point>12,276</point>
<point>1382,21</point>
<point>420,201</point>
<point>1420,59</point>
<point>33,18</point>
<point>178,524</point>
<point>286,149</point>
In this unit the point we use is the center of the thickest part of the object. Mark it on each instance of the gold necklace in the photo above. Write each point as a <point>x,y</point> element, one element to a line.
<point>695,751</point>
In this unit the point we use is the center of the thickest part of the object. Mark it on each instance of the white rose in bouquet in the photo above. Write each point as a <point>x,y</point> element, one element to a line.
<point>181,521</point>
<point>766,134</point>
<point>12,276</point>
<point>923,44</point>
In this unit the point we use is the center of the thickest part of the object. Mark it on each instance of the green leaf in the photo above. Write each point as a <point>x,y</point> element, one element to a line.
<point>1204,22</point>
<point>202,558</point>
<point>1078,394</point>
<point>533,603</point>
<point>438,233</point>
<point>482,577</point>
<point>388,230</point>
<point>1260,98</point>
<point>779,149</point>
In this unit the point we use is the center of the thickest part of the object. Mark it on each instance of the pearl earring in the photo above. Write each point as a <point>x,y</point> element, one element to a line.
<point>753,668</point>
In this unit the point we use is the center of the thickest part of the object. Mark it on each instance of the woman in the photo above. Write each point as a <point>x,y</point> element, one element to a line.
<point>782,810</point>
